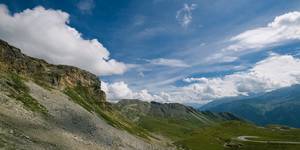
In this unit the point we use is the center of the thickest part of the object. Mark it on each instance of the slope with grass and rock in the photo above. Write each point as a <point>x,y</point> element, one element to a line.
<point>44,106</point>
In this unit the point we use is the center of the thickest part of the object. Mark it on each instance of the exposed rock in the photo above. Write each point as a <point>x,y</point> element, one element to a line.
<point>57,76</point>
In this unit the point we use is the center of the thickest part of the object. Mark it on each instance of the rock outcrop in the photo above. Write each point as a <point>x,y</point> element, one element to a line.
<point>57,76</point>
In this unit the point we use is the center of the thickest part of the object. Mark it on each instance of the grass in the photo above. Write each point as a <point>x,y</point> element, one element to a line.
<point>80,96</point>
<point>214,137</point>
<point>172,128</point>
<point>20,92</point>
<point>261,146</point>
<point>32,104</point>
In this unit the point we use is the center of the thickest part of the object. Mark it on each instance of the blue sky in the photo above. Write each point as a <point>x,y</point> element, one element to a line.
<point>163,42</point>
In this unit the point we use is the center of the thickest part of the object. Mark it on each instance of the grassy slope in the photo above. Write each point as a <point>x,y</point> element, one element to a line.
<point>191,133</point>
<point>213,138</point>
<point>79,95</point>
<point>175,129</point>
<point>14,85</point>
<point>174,121</point>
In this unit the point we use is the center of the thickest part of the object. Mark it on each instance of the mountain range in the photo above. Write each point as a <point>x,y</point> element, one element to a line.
<point>280,106</point>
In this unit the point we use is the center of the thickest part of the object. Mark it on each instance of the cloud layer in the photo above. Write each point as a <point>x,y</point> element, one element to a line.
<point>168,62</point>
<point>45,33</point>
<point>274,72</point>
<point>283,28</point>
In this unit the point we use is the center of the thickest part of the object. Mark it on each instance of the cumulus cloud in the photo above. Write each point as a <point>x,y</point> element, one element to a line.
<point>184,15</point>
<point>86,6</point>
<point>45,33</point>
<point>275,72</point>
<point>120,90</point>
<point>168,62</point>
<point>283,28</point>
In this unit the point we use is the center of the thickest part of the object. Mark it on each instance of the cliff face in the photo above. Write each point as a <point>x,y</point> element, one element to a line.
<point>56,76</point>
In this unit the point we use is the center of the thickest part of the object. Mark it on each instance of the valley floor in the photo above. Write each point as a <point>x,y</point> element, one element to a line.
<point>230,135</point>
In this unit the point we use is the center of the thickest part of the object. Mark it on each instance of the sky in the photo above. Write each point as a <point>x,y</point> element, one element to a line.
<point>186,51</point>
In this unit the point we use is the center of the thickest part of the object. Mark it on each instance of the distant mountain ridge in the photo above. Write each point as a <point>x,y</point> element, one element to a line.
<point>280,106</point>
<point>137,108</point>
<point>169,119</point>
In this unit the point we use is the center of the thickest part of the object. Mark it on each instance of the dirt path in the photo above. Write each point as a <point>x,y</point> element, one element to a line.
<point>250,139</point>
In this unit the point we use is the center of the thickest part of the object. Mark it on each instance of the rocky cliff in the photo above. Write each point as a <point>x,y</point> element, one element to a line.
<point>57,76</point>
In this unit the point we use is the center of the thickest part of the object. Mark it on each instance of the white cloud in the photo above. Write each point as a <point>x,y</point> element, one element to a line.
<point>86,6</point>
<point>274,72</point>
<point>190,80</point>
<point>45,33</point>
<point>168,62</point>
<point>120,90</point>
<point>283,28</point>
<point>221,58</point>
<point>184,15</point>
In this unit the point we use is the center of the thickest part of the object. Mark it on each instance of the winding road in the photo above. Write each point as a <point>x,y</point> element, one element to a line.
<point>250,139</point>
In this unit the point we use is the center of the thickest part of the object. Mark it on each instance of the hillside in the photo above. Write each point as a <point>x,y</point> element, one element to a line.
<point>44,106</point>
<point>196,130</point>
<point>170,119</point>
<point>281,106</point>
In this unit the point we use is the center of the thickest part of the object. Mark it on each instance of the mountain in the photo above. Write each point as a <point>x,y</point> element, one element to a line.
<point>45,106</point>
<point>191,129</point>
<point>280,106</point>
<point>135,109</point>
<point>171,119</point>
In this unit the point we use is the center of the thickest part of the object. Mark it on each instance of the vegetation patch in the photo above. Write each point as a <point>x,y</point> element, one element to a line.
<point>222,136</point>
<point>20,92</point>
<point>32,104</point>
